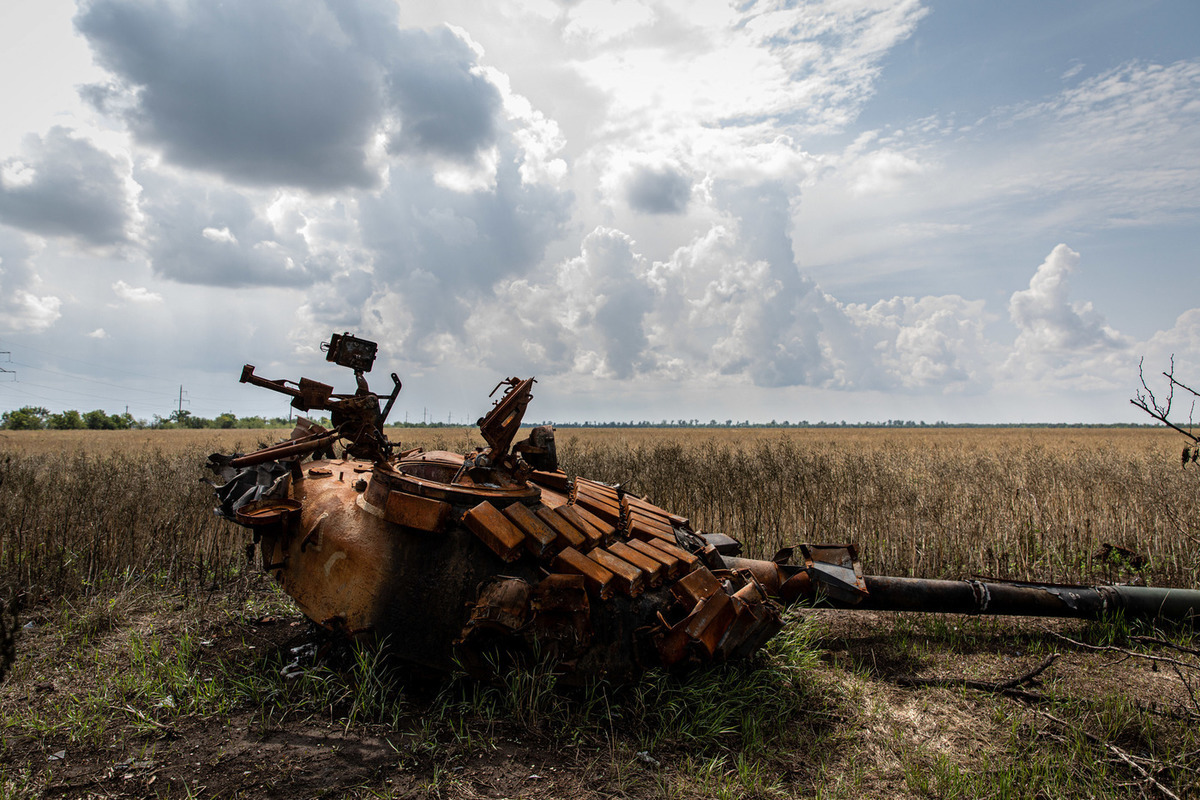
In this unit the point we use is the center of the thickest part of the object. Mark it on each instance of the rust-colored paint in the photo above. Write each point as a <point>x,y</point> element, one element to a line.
<point>652,569</point>
<point>539,539</point>
<point>599,579</point>
<point>412,511</point>
<point>566,534</point>
<point>493,529</point>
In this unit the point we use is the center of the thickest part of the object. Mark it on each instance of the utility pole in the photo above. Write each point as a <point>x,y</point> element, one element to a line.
<point>7,358</point>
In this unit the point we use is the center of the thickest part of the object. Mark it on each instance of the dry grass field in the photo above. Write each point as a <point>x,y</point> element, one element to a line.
<point>154,655</point>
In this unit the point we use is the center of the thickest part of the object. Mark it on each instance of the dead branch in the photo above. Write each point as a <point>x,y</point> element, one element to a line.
<point>986,686</point>
<point>1148,402</point>
<point>1128,653</point>
<point>1164,643</point>
<point>1112,748</point>
<point>1187,685</point>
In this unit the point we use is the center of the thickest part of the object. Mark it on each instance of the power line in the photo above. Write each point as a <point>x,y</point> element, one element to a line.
<point>93,380</point>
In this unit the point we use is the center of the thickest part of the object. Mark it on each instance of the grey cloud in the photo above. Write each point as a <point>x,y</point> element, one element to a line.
<point>291,93</point>
<point>216,237</point>
<point>436,253</point>
<point>263,92</point>
<point>445,108</point>
<point>72,189</point>
<point>781,340</point>
<point>610,301</point>
<point>663,190</point>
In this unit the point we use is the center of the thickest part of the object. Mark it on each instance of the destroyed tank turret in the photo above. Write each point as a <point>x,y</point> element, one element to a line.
<point>496,557</point>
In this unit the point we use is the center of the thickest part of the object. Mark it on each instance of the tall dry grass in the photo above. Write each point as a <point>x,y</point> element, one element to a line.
<point>1013,503</point>
<point>86,512</point>
<point>82,513</point>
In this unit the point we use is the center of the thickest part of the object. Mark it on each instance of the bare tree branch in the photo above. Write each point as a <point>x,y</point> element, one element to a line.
<point>1146,400</point>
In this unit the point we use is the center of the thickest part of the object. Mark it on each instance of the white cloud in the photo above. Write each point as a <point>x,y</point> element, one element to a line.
<point>23,309</point>
<point>99,333</point>
<point>135,294</point>
<point>600,21</point>
<point>882,171</point>
<point>1047,320</point>
<point>219,235</point>
<point>33,314</point>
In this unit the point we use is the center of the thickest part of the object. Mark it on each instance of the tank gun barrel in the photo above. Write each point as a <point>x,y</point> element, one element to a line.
<point>832,576</point>
<point>1006,598</point>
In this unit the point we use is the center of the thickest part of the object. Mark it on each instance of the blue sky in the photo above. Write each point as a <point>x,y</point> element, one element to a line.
<point>850,209</point>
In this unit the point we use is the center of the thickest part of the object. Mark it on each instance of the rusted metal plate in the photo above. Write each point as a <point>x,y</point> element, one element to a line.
<point>796,587</point>
<point>598,578</point>
<point>708,625</point>
<point>566,534</point>
<point>493,529</point>
<point>672,641</point>
<point>673,550</point>
<point>696,586</point>
<point>557,481</point>
<point>590,532</point>
<point>412,511</point>
<point>611,516</point>
<point>766,573</point>
<point>267,512</point>
<point>648,534</point>
<point>539,539</point>
<point>606,529</point>
<point>503,605</point>
<point>672,566</point>
<point>628,578</point>
<point>653,570</point>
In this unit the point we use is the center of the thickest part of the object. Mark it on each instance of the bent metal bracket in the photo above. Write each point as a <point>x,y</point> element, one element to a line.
<point>492,558</point>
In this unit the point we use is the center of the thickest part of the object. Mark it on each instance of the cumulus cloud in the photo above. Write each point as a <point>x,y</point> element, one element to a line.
<point>658,190</point>
<point>730,305</point>
<point>221,236</point>
<point>1061,342</point>
<point>882,170</point>
<point>135,294</point>
<point>1048,321</point>
<point>921,343</point>
<point>286,93</point>
<point>63,185</point>
<point>22,309</point>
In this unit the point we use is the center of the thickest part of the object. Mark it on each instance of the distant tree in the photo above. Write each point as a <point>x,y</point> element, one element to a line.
<point>226,420</point>
<point>26,418</point>
<point>66,421</point>
<point>99,420</point>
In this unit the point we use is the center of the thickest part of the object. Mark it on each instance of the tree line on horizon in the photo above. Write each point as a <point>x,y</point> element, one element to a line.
<point>38,418</point>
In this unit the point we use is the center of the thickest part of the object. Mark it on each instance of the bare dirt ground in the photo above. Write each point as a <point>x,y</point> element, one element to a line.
<point>87,714</point>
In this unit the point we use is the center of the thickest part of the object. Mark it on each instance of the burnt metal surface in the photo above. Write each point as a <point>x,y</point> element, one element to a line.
<point>492,558</point>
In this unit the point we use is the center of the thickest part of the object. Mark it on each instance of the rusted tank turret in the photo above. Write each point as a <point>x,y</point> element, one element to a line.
<point>496,556</point>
